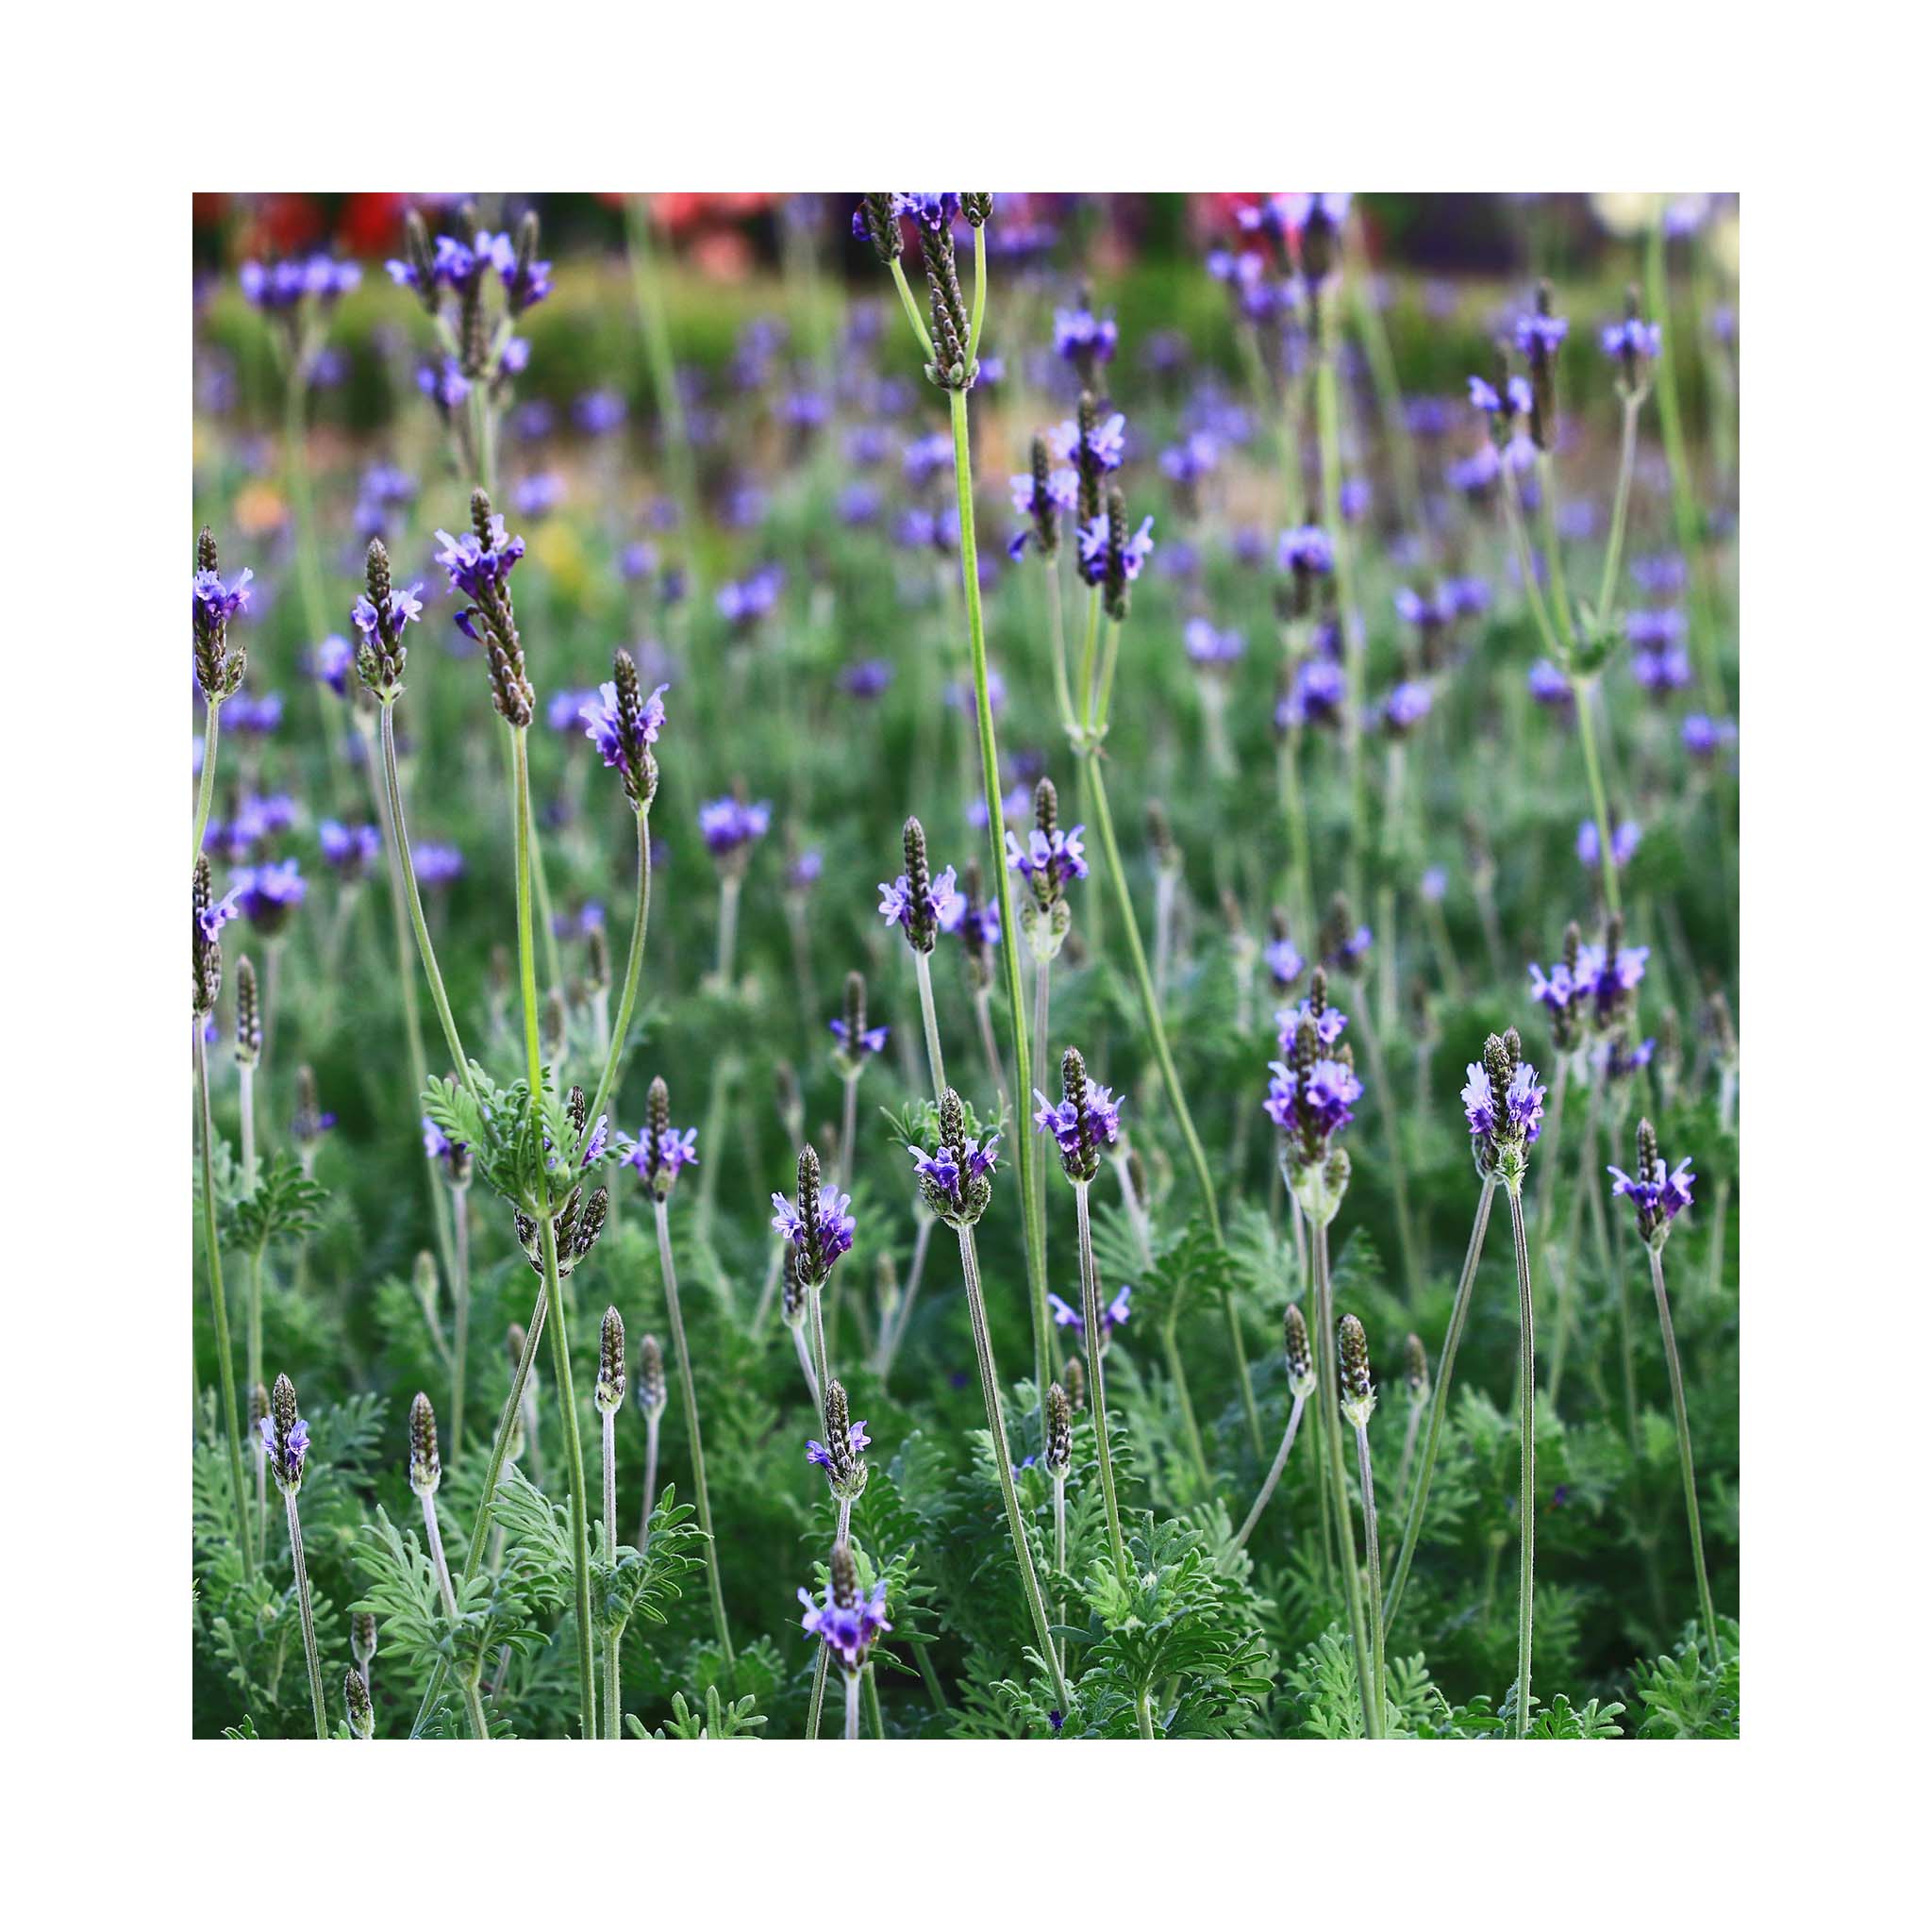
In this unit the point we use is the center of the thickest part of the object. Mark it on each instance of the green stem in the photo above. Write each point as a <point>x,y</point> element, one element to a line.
<point>1599,803</point>
<point>1372,1539</point>
<point>432,1529</point>
<point>1032,1211</point>
<point>499,1454</point>
<point>426,951</point>
<point>1613,555</point>
<point>579,1494</point>
<point>935,1059</point>
<point>1150,1008</point>
<point>1684,509</point>
<point>1328,1406</point>
<point>211,1243</point>
<point>697,1441</point>
<point>1329,434</point>
<point>527,958</point>
<point>626,1000</point>
<point>1280,1464</point>
<point>1003,1462</point>
<point>308,1610</point>
<point>1438,1405</point>
<point>613,1637</point>
<point>1525,1575</point>
<point>203,798</point>
<point>1184,1401</point>
<point>1685,1462</point>
<point>1097,1373</point>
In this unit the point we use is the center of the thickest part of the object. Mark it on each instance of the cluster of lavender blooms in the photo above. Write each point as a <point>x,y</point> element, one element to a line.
<point>1591,995</point>
<point>856,1040</point>
<point>955,1178</point>
<point>817,1226</point>
<point>662,1151</point>
<point>1503,1102</point>
<point>923,905</point>
<point>1312,1092</point>
<point>1085,1119</point>
<point>849,1623</point>
<point>846,1440</point>
<point>730,827</point>
<point>1658,1194</point>
<point>283,287</point>
<point>623,725</point>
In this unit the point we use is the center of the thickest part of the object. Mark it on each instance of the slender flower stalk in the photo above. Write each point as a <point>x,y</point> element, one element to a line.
<point>285,1437</point>
<point>1301,1385</point>
<point>1445,1371</point>
<point>1357,1405</point>
<point>426,1477</point>
<point>609,1400</point>
<point>1416,1374</point>
<point>207,917</point>
<point>1086,1118</point>
<point>1327,1401</point>
<point>669,1152</point>
<point>652,1397</point>
<point>1659,1193</point>
<point>1059,1457</point>
<point>956,1182</point>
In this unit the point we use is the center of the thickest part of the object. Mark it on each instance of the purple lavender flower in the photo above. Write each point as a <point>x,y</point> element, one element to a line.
<point>1658,1195</point>
<point>1111,1317</point>
<point>331,661</point>
<point>729,824</point>
<point>1211,648</point>
<point>1062,1119</point>
<point>349,850</point>
<point>604,723</point>
<point>473,572</point>
<point>1539,334</point>
<point>436,865</point>
<point>1702,734</point>
<point>662,1153</point>
<point>1652,630</point>
<point>1059,854</point>
<point>848,1630</point>
<point>816,1452</point>
<point>944,905</point>
<point>1660,672</point>
<point>1316,695</point>
<point>744,603</point>
<point>1513,400</point>
<point>1094,544</point>
<point>266,895</point>
<point>1522,1104</point>
<point>1404,707</point>
<point>1632,341</point>
<point>869,678</point>
<point>1284,962</point>
<point>1306,550</point>
<point>820,1231</point>
<point>1623,844</point>
<point>1318,1103</point>
<point>1105,448</point>
<point>1548,685</point>
<point>598,411</point>
<point>872,1039</point>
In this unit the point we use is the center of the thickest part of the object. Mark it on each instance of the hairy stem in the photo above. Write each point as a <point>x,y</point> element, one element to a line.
<point>223,1356</point>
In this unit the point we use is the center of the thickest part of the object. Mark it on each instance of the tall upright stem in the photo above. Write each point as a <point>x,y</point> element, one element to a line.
<point>1150,1008</point>
<point>1526,1573</point>
<point>1096,1372</point>
<point>1280,1464</point>
<point>1685,1463</point>
<point>1372,1539</point>
<point>308,1610</point>
<point>432,1531</point>
<point>1003,1462</point>
<point>425,950</point>
<point>1032,1208</point>
<point>574,1461</point>
<point>205,793</point>
<point>1329,434</point>
<point>1438,1405</point>
<point>935,1059</point>
<point>1328,1406</point>
<point>212,1244</point>
<point>675,1313</point>
<point>613,1637</point>
<point>626,999</point>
